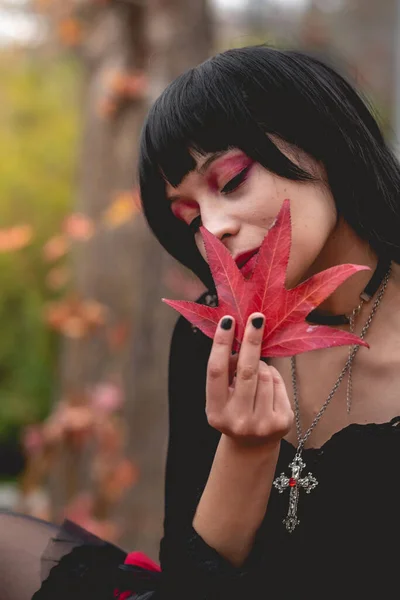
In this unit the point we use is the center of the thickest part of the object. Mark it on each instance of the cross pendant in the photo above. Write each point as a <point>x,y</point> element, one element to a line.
<point>295,482</point>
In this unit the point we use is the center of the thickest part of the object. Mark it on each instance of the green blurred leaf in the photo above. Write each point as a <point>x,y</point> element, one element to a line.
<point>39,125</point>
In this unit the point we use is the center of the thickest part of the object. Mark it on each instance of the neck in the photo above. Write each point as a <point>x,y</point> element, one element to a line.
<point>344,246</point>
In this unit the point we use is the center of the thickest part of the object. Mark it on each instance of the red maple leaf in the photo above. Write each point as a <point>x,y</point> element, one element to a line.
<point>286,331</point>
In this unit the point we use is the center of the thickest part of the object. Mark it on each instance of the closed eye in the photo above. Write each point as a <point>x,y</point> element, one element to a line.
<point>230,187</point>
<point>236,181</point>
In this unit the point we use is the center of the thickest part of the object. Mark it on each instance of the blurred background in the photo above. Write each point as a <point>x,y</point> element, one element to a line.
<point>84,337</point>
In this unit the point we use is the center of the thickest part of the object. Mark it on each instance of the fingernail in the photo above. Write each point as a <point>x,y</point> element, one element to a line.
<point>226,323</point>
<point>257,322</point>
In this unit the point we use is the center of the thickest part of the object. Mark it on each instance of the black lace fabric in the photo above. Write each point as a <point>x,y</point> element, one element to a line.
<point>41,561</point>
<point>23,541</point>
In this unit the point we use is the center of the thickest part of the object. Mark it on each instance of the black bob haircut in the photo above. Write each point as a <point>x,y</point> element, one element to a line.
<point>234,99</point>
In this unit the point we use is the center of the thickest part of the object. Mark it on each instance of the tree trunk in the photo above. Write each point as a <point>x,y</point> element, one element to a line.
<point>363,36</point>
<point>124,268</point>
<point>180,37</point>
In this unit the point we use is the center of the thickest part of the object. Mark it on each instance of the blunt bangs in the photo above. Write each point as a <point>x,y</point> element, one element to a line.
<point>237,98</point>
<point>205,111</point>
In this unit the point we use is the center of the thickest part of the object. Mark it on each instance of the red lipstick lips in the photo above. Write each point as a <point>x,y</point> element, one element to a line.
<point>244,257</point>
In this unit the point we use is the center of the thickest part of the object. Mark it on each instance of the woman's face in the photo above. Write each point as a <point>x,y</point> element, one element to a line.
<point>238,200</point>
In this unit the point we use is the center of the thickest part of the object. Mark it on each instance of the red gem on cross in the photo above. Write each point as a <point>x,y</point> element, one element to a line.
<point>292,482</point>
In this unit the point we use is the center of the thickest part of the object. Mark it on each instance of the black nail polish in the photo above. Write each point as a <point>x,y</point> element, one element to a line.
<point>226,323</point>
<point>257,322</point>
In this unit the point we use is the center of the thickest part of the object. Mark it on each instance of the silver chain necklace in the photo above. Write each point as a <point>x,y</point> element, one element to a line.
<point>295,482</point>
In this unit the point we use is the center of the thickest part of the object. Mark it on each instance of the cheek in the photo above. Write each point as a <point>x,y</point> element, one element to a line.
<point>264,199</point>
<point>314,218</point>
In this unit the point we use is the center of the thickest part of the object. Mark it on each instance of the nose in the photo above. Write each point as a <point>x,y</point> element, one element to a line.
<point>220,223</point>
<point>224,228</point>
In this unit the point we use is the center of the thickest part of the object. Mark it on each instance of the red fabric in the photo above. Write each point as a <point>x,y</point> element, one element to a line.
<point>141,560</point>
<point>138,559</point>
<point>122,595</point>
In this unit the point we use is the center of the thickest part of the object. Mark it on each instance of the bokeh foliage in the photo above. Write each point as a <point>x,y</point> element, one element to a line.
<point>39,127</point>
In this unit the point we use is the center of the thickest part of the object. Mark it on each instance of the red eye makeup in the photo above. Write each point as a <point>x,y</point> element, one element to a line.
<point>225,175</point>
<point>182,208</point>
<point>226,169</point>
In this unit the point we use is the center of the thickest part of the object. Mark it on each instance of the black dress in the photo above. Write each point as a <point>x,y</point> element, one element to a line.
<point>346,545</point>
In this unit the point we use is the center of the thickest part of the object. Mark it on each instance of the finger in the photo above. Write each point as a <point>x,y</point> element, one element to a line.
<point>281,402</point>
<point>264,396</point>
<point>233,360</point>
<point>248,363</point>
<point>218,366</point>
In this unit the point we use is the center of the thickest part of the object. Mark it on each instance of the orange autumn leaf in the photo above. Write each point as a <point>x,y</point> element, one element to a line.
<point>31,439</point>
<point>115,82</point>
<point>71,424</point>
<point>58,277</point>
<point>74,327</point>
<point>120,86</point>
<point>125,474</point>
<point>103,528</point>
<point>42,5</point>
<point>75,318</point>
<point>67,418</point>
<point>118,335</point>
<point>70,31</point>
<point>136,85</point>
<point>120,478</point>
<point>127,84</point>
<point>15,238</point>
<point>80,511</point>
<point>79,227</point>
<point>56,313</point>
<point>77,419</point>
<point>94,312</point>
<point>80,507</point>
<point>123,209</point>
<point>110,437</point>
<point>70,325</point>
<point>106,397</point>
<point>107,108</point>
<point>55,247</point>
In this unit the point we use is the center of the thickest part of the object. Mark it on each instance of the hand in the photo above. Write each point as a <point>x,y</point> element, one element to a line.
<point>252,407</point>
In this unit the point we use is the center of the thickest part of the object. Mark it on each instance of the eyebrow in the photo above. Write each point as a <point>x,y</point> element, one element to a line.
<point>210,160</point>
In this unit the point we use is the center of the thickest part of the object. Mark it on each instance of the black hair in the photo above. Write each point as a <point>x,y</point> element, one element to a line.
<point>234,99</point>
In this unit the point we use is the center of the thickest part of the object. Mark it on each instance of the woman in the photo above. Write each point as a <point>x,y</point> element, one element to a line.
<point>224,146</point>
